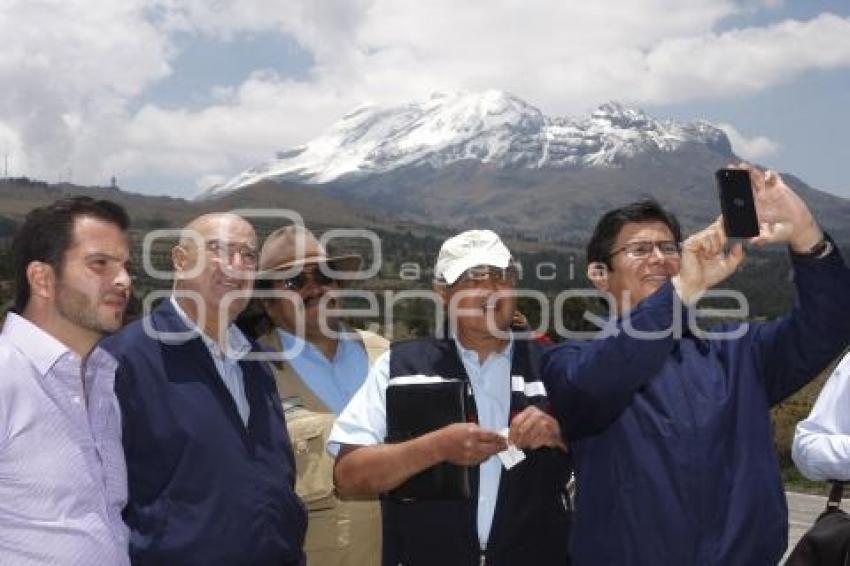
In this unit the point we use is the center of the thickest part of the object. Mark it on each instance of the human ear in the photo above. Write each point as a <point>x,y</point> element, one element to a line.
<point>597,272</point>
<point>41,278</point>
<point>179,258</point>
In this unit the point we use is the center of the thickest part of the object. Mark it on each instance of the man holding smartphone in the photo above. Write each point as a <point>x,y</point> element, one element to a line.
<point>670,431</point>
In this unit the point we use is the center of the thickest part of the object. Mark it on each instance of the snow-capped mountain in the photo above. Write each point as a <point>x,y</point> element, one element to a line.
<point>493,128</point>
<point>491,160</point>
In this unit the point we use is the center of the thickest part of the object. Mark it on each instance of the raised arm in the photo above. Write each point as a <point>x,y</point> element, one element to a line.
<point>591,383</point>
<point>793,349</point>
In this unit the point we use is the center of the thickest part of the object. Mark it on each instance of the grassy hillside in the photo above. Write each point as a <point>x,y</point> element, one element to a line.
<point>547,267</point>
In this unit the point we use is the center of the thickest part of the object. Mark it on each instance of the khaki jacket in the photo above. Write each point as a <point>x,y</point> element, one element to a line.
<point>339,533</point>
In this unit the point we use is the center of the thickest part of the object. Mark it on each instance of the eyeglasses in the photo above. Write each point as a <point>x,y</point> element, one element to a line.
<point>644,248</point>
<point>228,250</point>
<point>481,273</point>
<point>300,281</point>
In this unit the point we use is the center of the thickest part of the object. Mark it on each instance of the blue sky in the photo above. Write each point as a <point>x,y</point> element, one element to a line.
<point>204,63</point>
<point>173,96</point>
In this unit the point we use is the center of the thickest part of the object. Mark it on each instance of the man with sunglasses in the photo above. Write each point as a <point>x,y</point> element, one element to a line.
<point>515,516</point>
<point>669,427</point>
<point>210,466</point>
<point>321,364</point>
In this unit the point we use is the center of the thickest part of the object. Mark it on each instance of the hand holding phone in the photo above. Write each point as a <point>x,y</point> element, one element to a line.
<point>737,204</point>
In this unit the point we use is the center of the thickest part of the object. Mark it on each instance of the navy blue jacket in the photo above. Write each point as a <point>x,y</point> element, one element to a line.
<point>671,438</point>
<point>531,523</point>
<point>203,488</point>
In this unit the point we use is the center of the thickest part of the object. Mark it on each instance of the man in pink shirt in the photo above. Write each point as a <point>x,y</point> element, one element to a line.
<point>63,481</point>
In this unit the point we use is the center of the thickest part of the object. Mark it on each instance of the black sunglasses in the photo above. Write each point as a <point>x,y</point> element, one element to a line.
<point>300,281</point>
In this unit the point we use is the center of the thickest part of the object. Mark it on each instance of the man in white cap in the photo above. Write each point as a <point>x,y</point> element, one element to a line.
<point>515,516</point>
<point>321,367</point>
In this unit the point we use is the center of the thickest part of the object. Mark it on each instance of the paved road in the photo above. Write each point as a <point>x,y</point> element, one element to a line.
<point>802,511</point>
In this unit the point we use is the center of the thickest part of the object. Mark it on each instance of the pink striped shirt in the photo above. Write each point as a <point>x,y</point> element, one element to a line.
<point>63,481</point>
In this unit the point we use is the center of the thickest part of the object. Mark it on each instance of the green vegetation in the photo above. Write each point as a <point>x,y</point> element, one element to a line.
<point>408,254</point>
<point>794,481</point>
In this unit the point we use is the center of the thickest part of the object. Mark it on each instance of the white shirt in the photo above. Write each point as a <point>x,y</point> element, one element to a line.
<point>63,479</point>
<point>821,446</point>
<point>363,422</point>
<point>227,365</point>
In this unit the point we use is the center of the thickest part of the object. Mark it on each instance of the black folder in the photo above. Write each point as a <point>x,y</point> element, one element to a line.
<point>415,408</point>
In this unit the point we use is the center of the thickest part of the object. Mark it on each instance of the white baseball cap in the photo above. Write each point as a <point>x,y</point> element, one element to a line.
<point>469,249</point>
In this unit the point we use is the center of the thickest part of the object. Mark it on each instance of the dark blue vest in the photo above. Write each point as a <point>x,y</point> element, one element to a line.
<point>531,521</point>
<point>204,489</point>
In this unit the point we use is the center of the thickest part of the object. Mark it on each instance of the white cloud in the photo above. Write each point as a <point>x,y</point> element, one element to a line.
<point>326,28</point>
<point>208,181</point>
<point>75,78</point>
<point>750,148</point>
<point>67,68</point>
<point>744,61</point>
<point>264,114</point>
<point>13,160</point>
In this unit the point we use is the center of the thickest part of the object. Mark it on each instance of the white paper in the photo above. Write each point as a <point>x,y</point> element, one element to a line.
<point>511,456</point>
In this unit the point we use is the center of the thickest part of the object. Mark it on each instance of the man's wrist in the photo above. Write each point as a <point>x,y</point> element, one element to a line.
<point>436,447</point>
<point>807,239</point>
<point>820,250</point>
<point>685,292</point>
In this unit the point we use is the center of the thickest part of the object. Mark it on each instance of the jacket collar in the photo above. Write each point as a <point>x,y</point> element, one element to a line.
<point>169,326</point>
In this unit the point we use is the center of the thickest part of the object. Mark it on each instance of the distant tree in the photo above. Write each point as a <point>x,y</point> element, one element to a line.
<point>7,227</point>
<point>156,222</point>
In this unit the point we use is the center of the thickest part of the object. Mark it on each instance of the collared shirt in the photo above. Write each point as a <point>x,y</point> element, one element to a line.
<point>364,421</point>
<point>821,447</point>
<point>334,381</point>
<point>491,387</point>
<point>204,488</point>
<point>63,480</point>
<point>227,362</point>
<point>671,437</point>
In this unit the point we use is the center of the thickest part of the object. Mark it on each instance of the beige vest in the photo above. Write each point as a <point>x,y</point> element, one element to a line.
<point>339,533</point>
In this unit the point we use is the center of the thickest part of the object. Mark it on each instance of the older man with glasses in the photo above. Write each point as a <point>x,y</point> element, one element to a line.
<point>670,427</point>
<point>515,515</point>
<point>319,366</point>
<point>210,466</point>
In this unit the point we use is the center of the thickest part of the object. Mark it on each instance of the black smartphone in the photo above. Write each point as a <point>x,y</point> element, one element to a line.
<point>737,204</point>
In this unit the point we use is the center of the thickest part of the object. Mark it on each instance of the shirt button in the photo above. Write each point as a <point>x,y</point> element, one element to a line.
<point>76,399</point>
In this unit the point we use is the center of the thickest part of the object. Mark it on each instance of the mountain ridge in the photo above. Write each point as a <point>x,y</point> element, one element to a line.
<point>491,160</point>
<point>492,127</point>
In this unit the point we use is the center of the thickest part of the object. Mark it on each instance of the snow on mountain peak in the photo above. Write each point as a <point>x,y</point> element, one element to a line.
<point>617,114</point>
<point>490,127</point>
